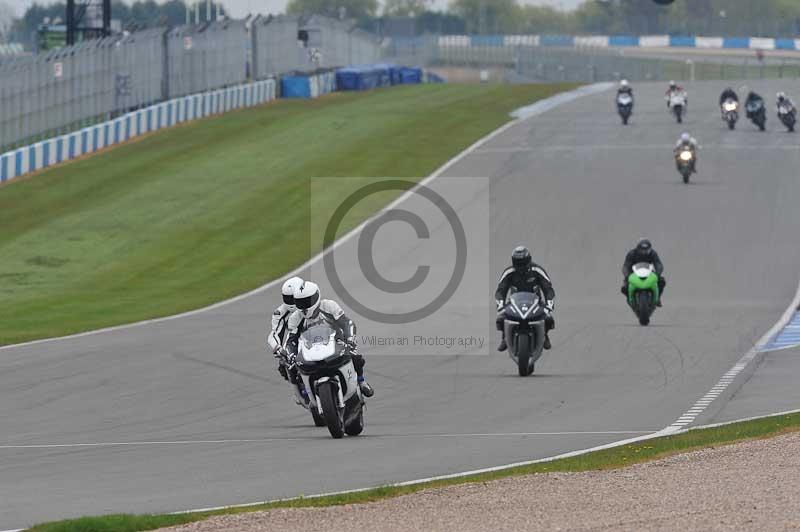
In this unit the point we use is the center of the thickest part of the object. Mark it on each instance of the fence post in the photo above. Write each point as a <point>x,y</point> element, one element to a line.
<point>254,74</point>
<point>165,65</point>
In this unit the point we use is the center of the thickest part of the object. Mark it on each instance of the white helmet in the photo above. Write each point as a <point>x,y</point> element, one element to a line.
<point>781,96</point>
<point>306,298</point>
<point>288,288</point>
<point>685,137</point>
<point>672,84</point>
<point>623,83</point>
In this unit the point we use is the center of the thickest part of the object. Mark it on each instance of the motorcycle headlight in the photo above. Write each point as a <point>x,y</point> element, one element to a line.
<point>686,156</point>
<point>730,106</point>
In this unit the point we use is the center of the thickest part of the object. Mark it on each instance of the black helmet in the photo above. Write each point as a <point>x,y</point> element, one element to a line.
<point>521,257</point>
<point>644,246</point>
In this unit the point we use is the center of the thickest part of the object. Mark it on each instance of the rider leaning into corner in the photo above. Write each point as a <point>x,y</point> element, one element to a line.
<point>311,310</point>
<point>524,275</point>
<point>643,252</point>
<point>280,317</point>
<point>784,101</point>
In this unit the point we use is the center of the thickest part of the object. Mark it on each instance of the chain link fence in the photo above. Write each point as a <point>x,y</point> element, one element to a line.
<point>524,62</point>
<point>67,89</point>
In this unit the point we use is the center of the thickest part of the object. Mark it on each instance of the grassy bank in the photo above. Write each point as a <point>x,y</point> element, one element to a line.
<point>613,458</point>
<point>200,213</point>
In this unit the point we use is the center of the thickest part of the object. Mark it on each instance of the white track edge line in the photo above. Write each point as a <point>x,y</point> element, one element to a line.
<point>702,404</point>
<point>519,115</point>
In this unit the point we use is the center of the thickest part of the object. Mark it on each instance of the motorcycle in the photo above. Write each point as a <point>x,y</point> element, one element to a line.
<point>625,106</point>
<point>524,325</point>
<point>301,397</point>
<point>677,103</point>
<point>684,159</point>
<point>326,367</point>
<point>643,291</point>
<point>730,113</point>
<point>788,116</point>
<point>757,113</point>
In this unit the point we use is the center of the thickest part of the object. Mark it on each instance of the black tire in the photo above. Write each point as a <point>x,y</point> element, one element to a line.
<point>330,410</point>
<point>762,126</point>
<point>643,307</point>
<point>319,421</point>
<point>686,175</point>
<point>731,125</point>
<point>355,427</point>
<point>625,119</point>
<point>679,116</point>
<point>523,348</point>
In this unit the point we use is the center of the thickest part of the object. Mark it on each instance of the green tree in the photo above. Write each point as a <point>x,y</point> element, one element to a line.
<point>351,9</point>
<point>406,8</point>
<point>488,16</point>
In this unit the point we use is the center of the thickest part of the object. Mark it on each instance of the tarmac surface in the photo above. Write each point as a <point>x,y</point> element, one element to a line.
<point>191,413</point>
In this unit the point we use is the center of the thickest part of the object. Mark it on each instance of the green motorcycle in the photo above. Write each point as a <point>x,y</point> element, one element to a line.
<point>643,291</point>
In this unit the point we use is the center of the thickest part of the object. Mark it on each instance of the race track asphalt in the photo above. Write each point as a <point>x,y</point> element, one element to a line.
<point>191,413</point>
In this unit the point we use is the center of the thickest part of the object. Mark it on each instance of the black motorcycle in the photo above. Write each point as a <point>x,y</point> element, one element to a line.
<point>757,113</point>
<point>524,325</point>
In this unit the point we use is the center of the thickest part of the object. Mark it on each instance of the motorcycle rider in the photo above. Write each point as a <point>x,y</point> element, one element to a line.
<point>643,252</point>
<point>728,94</point>
<point>784,101</point>
<point>752,99</point>
<point>280,317</point>
<point>625,88</point>
<point>675,89</point>
<point>687,141</point>
<point>524,275</point>
<point>311,310</point>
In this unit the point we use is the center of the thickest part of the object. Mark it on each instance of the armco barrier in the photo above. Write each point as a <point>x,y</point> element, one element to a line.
<point>623,40</point>
<point>66,147</point>
<point>736,42</point>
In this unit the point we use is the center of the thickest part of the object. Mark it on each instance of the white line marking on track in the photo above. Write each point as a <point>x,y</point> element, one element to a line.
<point>520,115</point>
<point>272,440</point>
<point>727,379</point>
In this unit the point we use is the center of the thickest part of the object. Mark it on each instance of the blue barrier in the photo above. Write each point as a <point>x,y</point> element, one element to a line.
<point>681,42</point>
<point>487,40</point>
<point>295,87</point>
<point>784,44</point>
<point>557,40</point>
<point>359,78</point>
<point>736,42</point>
<point>410,75</point>
<point>623,40</point>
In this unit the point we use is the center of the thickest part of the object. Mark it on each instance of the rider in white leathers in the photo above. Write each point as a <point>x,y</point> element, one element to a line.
<point>280,317</point>
<point>312,310</point>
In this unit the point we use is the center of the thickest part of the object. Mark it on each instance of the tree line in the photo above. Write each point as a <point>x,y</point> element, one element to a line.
<point>772,18</point>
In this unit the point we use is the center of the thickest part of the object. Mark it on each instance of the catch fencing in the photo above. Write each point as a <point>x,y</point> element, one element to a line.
<point>583,60</point>
<point>71,88</point>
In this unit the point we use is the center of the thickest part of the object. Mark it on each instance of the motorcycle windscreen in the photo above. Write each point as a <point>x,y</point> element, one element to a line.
<point>317,343</point>
<point>524,303</point>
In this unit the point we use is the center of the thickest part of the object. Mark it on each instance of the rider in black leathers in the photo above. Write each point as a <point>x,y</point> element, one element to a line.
<point>524,275</point>
<point>643,252</point>
<point>728,94</point>
<point>753,97</point>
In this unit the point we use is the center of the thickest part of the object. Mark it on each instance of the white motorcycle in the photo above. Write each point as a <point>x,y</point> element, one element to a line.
<point>787,115</point>
<point>677,104</point>
<point>301,397</point>
<point>684,160</point>
<point>730,112</point>
<point>326,367</point>
<point>625,106</point>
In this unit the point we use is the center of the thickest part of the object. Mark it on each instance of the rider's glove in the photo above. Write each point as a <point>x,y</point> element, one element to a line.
<point>499,303</point>
<point>549,306</point>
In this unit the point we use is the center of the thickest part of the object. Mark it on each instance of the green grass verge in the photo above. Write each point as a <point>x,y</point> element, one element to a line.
<point>613,458</point>
<point>199,213</point>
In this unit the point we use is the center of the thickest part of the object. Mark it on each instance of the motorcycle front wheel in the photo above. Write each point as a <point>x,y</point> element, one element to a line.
<point>523,350</point>
<point>331,412</point>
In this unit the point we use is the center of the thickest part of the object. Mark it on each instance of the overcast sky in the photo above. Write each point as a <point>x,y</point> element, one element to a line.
<point>239,8</point>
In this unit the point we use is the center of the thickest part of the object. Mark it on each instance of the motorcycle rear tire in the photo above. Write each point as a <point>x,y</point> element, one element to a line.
<point>355,427</point>
<point>523,347</point>
<point>731,125</point>
<point>330,410</point>
<point>319,421</point>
